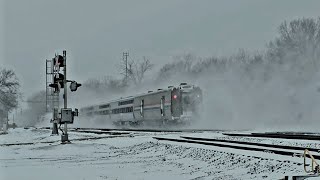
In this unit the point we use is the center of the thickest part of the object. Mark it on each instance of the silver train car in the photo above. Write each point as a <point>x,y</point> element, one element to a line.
<point>174,105</point>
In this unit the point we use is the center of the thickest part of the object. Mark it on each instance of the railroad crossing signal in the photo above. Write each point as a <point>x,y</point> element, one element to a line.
<point>60,81</point>
<point>74,86</point>
<point>58,78</point>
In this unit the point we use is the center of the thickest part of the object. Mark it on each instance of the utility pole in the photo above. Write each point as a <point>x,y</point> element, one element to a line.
<point>65,78</point>
<point>64,136</point>
<point>125,58</point>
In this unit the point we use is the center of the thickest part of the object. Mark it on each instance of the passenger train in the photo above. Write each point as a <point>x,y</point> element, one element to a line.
<point>173,105</point>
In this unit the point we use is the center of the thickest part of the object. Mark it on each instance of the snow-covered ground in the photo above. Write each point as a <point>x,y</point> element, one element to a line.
<point>133,156</point>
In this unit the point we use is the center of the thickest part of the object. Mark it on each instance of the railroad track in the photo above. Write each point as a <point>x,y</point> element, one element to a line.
<point>105,130</point>
<point>258,147</point>
<point>300,136</point>
<point>253,144</point>
<point>57,141</point>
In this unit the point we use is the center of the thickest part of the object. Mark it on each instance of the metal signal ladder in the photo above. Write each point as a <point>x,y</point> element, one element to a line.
<point>52,97</point>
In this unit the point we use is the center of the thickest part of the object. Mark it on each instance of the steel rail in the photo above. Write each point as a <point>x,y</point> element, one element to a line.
<point>280,136</point>
<point>254,144</point>
<point>273,151</point>
<point>142,130</point>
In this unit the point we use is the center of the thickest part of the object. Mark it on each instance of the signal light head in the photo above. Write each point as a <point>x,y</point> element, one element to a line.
<point>59,61</point>
<point>74,86</point>
<point>55,86</point>
<point>175,96</point>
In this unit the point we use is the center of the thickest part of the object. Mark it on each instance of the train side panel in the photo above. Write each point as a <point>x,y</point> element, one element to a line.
<point>153,106</point>
<point>122,112</point>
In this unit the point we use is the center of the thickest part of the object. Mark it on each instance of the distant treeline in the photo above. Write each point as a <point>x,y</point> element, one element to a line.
<point>296,47</point>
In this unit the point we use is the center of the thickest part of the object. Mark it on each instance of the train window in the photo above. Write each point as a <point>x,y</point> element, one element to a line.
<point>104,106</point>
<point>186,99</point>
<point>162,102</point>
<point>120,110</point>
<point>121,103</point>
<point>141,107</point>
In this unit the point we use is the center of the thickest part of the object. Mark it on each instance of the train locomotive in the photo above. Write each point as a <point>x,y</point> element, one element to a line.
<point>173,105</point>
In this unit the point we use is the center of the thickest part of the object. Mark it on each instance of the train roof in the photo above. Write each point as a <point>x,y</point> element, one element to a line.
<point>152,92</point>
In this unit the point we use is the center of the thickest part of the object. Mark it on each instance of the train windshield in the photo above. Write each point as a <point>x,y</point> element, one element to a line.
<point>190,100</point>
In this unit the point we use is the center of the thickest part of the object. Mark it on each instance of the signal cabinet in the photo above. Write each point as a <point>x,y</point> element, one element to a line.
<point>66,116</point>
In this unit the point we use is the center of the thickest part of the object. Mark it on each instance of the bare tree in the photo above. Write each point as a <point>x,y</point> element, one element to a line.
<point>141,68</point>
<point>298,37</point>
<point>8,81</point>
<point>9,88</point>
<point>183,64</point>
<point>135,70</point>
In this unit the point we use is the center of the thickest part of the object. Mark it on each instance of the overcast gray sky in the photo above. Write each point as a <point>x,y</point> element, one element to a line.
<point>96,32</point>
